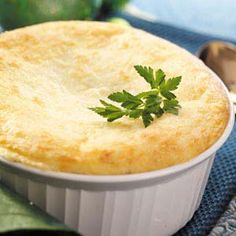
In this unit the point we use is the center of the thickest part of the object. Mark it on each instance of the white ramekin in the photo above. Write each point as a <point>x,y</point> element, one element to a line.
<point>155,203</point>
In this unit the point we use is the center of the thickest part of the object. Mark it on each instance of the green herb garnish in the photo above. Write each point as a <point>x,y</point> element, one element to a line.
<point>148,104</point>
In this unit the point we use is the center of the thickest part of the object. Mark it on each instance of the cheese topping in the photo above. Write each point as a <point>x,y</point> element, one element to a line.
<point>51,73</point>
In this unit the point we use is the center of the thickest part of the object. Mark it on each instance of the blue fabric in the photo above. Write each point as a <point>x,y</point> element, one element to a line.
<point>221,186</point>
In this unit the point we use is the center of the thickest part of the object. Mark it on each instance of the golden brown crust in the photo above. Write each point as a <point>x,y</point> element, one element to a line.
<point>51,73</point>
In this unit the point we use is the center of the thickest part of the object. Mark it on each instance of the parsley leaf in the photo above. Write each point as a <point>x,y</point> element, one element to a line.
<point>146,73</point>
<point>171,106</point>
<point>118,97</point>
<point>147,119</point>
<point>148,104</point>
<point>135,113</point>
<point>159,77</point>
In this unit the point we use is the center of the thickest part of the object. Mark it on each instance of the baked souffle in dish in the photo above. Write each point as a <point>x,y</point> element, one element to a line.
<point>52,74</point>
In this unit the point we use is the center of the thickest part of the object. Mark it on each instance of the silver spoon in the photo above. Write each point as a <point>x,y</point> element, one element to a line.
<point>221,58</point>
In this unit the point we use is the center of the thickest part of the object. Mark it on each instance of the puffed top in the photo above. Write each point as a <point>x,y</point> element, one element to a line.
<point>51,73</point>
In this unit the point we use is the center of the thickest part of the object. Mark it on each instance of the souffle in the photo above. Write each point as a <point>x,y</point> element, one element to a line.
<point>50,74</point>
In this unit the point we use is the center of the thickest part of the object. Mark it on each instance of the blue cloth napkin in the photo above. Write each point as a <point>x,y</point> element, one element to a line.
<point>221,187</point>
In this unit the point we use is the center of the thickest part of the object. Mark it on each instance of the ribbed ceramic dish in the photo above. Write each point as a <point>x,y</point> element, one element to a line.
<point>155,203</point>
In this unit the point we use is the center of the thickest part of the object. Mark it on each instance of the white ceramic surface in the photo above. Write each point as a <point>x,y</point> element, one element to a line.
<point>159,209</point>
<point>155,203</point>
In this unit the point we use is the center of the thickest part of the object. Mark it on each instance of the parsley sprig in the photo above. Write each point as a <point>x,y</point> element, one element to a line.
<point>148,104</point>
